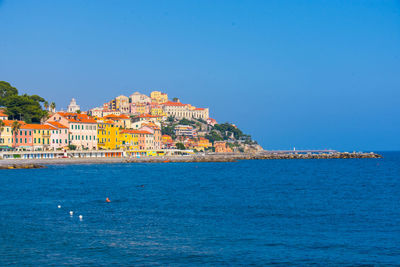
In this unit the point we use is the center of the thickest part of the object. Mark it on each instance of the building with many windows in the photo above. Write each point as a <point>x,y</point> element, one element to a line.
<point>82,129</point>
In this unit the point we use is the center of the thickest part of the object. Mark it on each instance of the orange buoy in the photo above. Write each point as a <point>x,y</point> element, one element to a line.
<point>108,200</point>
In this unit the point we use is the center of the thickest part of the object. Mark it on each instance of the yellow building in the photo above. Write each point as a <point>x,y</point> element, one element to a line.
<point>158,97</point>
<point>107,135</point>
<point>157,111</point>
<point>202,144</point>
<point>6,135</point>
<point>41,135</point>
<point>129,139</point>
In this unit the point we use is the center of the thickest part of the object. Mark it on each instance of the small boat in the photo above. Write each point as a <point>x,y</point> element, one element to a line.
<point>166,161</point>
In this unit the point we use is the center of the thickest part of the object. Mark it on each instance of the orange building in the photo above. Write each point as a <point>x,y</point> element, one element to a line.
<point>221,147</point>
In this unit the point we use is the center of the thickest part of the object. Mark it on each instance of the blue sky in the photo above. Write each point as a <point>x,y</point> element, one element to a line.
<point>310,74</point>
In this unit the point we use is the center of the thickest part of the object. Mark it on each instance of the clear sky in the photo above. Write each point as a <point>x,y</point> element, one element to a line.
<point>310,74</point>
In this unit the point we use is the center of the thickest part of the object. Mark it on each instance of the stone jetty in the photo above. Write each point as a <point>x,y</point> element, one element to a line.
<point>214,157</point>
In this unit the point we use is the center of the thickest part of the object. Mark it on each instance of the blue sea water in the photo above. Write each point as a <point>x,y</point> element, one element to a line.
<point>271,212</point>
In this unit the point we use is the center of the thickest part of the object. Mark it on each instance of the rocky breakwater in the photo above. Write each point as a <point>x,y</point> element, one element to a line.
<point>337,155</point>
<point>20,166</point>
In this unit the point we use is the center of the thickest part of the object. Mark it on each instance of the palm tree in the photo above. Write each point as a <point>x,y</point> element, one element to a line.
<point>46,105</point>
<point>53,107</point>
<point>15,129</point>
<point>1,128</point>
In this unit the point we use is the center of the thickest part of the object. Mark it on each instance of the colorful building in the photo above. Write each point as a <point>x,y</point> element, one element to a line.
<point>187,111</point>
<point>129,139</point>
<point>23,139</point>
<point>82,129</point>
<point>221,147</point>
<point>6,135</point>
<point>122,121</point>
<point>41,135</point>
<point>59,137</point>
<point>158,97</point>
<point>3,115</point>
<point>107,135</point>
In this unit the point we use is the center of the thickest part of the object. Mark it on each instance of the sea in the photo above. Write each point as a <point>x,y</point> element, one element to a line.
<point>327,212</point>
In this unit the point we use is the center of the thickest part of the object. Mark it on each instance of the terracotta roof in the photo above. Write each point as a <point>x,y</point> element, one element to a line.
<point>112,116</point>
<point>57,124</point>
<point>176,104</point>
<point>199,108</point>
<point>2,114</point>
<point>37,127</point>
<point>10,122</point>
<point>135,132</point>
<point>151,125</point>
<point>75,117</point>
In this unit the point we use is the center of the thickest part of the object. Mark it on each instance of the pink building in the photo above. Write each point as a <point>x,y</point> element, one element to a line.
<point>24,138</point>
<point>81,127</point>
<point>59,137</point>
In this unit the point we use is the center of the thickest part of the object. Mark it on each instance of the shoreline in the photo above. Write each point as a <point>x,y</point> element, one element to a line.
<point>232,157</point>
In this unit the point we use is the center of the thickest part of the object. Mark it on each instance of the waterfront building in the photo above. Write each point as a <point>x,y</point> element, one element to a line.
<point>41,135</point>
<point>73,107</point>
<point>139,98</point>
<point>129,139</point>
<point>158,97</point>
<point>24,138</point>
<point>82,129</point>
<point>107,135</point>
<point>185,130</point>
<point>6,135</point>
<point>59,137</point>
<point>187,111</point>
<point>155,138</point>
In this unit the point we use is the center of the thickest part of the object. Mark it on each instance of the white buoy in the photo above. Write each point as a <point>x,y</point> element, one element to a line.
<point>59,206</point>
<point>80,217</point>
<point>71,213</point>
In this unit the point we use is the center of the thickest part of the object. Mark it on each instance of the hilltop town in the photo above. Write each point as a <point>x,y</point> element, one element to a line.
<point>140,125</point>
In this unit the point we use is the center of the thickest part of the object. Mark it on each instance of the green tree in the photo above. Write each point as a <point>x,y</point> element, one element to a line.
<point>15,127</point>
<point>72,147</point>
<point>21,106</point>
<point>170,119</point>
<point>1,128</point>
<point>46,105</point>
<point>168,130</point>
<point>52,106</point>
<point>180,146</point>
<point>6,90</point>
<point>175,99</point>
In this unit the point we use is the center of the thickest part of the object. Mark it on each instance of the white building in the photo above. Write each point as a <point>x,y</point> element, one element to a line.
<point>139,98</point>
<point>187,111</point>
<point>73,107</point>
